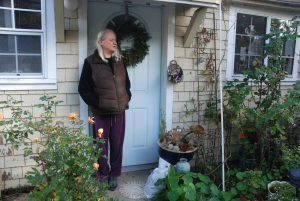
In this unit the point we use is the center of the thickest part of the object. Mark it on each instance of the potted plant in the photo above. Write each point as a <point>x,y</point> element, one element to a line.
<point>280,191</point>
<point>249,184</point>
<point>179,143</point>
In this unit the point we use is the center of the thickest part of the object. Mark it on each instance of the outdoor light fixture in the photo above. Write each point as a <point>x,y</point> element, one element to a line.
<point>71,4</point>
<point>294,175</point>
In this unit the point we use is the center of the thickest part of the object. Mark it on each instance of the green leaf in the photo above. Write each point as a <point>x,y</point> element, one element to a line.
<point>255,185</point>
<point>240,175</point>
<point>214,199</point>
<point>233,191</point>
<point>190,192</point>
<point>187,179</point>
<point>214,190</point>
<point>159,182</point>
<point>241,186</point>
<point>173,195</point>
<point>171,171</point>
<point>226,196</point>
<point>203,178</point>
<point>203,188</point>
<point>174,182</point>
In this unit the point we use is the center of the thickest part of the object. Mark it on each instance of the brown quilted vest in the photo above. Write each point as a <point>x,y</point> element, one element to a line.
<point>111,88</point>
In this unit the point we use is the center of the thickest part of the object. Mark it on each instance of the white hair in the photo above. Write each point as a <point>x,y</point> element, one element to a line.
<point>102,35</point>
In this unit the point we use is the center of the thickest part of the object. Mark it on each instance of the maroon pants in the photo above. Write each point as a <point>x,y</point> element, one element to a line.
<point>113,131</point>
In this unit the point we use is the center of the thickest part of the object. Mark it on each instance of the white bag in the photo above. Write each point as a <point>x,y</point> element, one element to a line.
<point>162,163</point>
<point>150,189</point>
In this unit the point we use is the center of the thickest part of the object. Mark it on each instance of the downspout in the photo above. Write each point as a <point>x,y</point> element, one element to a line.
<point>221,95</point>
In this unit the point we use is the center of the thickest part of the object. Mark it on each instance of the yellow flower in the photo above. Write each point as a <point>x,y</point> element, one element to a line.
<point>72,116</point>
<point>36,139</point>
<point>96,165</point>
<point>99,199</point>
<point>100,131</point>
<point>90,120</point>
<point>1,115</point>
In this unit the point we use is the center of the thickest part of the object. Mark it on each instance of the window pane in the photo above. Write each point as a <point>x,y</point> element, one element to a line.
<point>29,44</point>
<point>29,64</point>
<point>259,25</point>
<point>7,64</point>
<point>288,48</point>
<point>5,3</point>
<point>28,20</point>
<point>257,46</point>
<point>7,43</point>
<point>288,65</point>
<point>5,18</point>
<point>251,66</point>
<point>28,4</point>
<point>240,64</point>
<point>242,44</point>
<point>243,24</point>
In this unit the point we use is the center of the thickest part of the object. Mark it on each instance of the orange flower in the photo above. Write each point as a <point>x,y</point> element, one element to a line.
<point>90,120</point>
<point>72,116</point>
<point>100,131</point>
<point>99,199</point>
<point>36,139</point>
<point>96,165</point>
<point>242,136</point>
<point>1,115</point>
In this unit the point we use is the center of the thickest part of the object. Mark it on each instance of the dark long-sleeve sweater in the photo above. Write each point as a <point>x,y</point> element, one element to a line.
<point>85,86</point>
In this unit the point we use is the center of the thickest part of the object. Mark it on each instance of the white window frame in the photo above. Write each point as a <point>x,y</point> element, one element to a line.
<point>48,79</point>
<point>264,12</point>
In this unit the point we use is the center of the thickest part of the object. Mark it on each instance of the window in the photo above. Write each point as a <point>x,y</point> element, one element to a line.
<point>247,28</point>
<point>27,45</point>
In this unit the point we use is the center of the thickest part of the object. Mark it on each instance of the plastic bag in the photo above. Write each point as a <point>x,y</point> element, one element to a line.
<point>162,163</point>
<point>150,189</point>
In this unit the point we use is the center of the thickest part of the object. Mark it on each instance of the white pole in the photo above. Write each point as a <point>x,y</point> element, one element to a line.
<point>221,95</point>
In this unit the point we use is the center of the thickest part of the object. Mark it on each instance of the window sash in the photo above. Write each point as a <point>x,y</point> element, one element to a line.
<point>27,32</point>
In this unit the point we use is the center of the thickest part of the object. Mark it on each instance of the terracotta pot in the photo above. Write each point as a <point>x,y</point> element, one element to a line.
<point>243,197</point>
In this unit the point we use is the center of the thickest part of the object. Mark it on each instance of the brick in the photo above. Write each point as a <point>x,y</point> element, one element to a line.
<point>73,24</point>
<point>182,21</point>
<point>175,117</point>
<point>61,75</point>
<point>70,13</point>
<point>178,106</point>
<point>190,53</point>
<point>3,97</point>
<point>51,91</point>
<point>29,161</point>
<point>72,75</point>
<point>30,100</point>
<point>179,52</point>
<point>185,64</point>
<point>1,92</point>
<point>24,182</point>
<point>63,48</point>
<point>16,92</point>
<point>7,113</point>
<point>175,96</point>
<point>76,109</point>
<point>71,36</point>
<point>20,151</point>
<point>73,99</point>
<point>12,173</point>
<point>74,48</point>
<point>186,118</point>
<point>12,183</point>
<point>68,87</point>
<point>189,86</point>
<point>67,24</point>
<point>67,61</point>
<point>189,76</point>
<point>178,41</point>
<point>184,96</point>
<point>179,86</point>
<point>62,111</point>
<point>14,161</point>
<point>180,31</point>
<point>41,92</point>
<point>29,169</point>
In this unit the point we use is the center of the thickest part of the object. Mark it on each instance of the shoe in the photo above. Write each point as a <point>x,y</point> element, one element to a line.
<point>113,184</point>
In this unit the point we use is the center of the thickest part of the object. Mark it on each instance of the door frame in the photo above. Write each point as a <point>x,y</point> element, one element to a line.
<point>168,44</point>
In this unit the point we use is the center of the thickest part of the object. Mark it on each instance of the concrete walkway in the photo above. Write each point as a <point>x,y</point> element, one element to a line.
<point>141,175</point>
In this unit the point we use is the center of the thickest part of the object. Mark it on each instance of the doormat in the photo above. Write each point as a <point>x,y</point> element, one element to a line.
<point>133,189</point>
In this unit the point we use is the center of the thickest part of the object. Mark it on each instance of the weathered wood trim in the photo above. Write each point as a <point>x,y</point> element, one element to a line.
<point>194,26</point>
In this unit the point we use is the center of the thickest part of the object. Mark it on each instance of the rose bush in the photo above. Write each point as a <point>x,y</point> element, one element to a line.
<point>64,154</point>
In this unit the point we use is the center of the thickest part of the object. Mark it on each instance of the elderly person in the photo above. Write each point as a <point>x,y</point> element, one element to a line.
<point>105,86</point>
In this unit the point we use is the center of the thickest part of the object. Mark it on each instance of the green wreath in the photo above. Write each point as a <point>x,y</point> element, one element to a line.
<point>140,48</point>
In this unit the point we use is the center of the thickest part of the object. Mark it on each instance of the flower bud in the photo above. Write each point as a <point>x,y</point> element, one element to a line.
<point>36,139</point>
